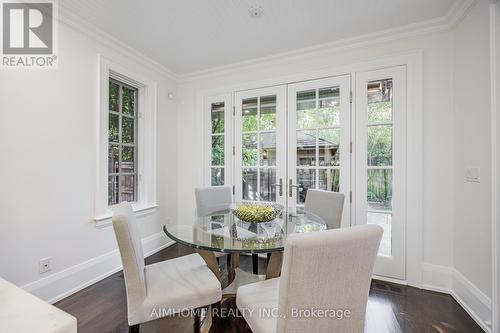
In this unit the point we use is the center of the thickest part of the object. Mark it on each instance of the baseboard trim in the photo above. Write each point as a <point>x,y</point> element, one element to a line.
<point>62,284</point>
<point>450,281</point>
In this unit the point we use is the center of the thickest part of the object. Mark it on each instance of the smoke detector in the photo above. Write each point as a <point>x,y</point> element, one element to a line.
<point>256,12</point>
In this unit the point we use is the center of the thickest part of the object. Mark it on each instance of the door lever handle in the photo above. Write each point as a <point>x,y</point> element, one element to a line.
<point>291,186</point>
<point>280,185</point>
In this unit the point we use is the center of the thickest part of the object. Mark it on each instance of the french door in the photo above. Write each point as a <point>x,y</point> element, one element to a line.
<point>291,138</point>
<point>260,145</point>
<point>380,163</point>
<point>319,140</point>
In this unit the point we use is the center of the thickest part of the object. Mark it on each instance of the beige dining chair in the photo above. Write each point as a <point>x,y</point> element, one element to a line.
<point>327,205</point>
<point>164,288</point>
<point>327,271</point>
<point>213,199</point>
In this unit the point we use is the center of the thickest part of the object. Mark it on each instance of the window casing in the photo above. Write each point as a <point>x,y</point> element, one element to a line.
<point>217,139</point>
<point>122,142</point>
<point>141,142</point>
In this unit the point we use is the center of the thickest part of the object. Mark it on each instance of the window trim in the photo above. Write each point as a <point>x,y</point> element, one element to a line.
<point>146,141</point>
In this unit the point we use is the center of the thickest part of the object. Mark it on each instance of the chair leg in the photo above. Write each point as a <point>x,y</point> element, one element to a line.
<point>215,316</point>
<point>134,329</point>
<point>196,326</point>
<point>255,263</point>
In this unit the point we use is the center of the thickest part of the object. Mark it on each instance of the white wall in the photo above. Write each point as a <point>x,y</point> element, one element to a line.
<point>472,230</point>
<point>438,126</point>
<point>48,149</point>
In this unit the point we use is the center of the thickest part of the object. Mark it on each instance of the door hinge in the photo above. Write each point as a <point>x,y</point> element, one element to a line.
<point>350,97</point>
<point>234,150</point>
<point>234,111</point>
<point>350,147</point>
<point>350,197</point>
<point>234,190</point>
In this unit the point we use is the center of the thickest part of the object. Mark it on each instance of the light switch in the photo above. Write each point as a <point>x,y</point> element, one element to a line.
<point>472,175</point>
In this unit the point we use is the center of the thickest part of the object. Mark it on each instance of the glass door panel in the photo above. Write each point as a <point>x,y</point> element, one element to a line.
<point>318,140</point>
<point>380,163</point>
<point>260,141</point>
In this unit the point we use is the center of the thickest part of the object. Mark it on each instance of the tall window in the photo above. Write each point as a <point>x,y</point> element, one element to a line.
<point>122,143</point>
<point>217,139</point>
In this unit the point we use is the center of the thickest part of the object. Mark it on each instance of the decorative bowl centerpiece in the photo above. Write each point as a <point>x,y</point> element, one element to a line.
<point>257,212</point>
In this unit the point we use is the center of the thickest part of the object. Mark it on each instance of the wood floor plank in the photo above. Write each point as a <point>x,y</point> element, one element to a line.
<point>102,307</point>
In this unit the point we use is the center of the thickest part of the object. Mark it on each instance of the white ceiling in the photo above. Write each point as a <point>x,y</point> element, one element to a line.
<point>191,35</point>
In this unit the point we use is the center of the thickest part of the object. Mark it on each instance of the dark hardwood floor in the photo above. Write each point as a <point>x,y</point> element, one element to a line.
<point>102,307</point>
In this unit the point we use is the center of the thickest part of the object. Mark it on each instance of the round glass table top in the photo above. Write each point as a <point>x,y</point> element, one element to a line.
<point>224,232</point>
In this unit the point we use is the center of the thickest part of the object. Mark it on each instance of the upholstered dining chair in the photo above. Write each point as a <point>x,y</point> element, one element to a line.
<point>327,205</point>
<point>327,271</point>
<point>164,288</point>
<point>213,199</point>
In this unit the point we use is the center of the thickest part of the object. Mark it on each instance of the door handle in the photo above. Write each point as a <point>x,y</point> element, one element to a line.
<point>291,186</point>
<point>280,185</point>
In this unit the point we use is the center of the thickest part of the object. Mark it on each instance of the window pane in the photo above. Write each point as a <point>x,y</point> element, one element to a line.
<point>268,113</point>
<point>329,143</point>
<point>218,150</point>
<point>267,178</point>
<point>113,120</point>
<point>113,96</point>
<point>217,176</point>
<point>329,107</point>
<point>127,188</point>
<point>127,101</point>
<point>127,130</point>
<point>329,179</point>
<point>380,145</point>
<point>128,162</point>
<point>249,153</point>
<point>249,115</point>
<point>113,161</point>
<point>268,149</point>
<point>306,148</point>
<point>249,184</point>
<point>380,100</point>
<point>112,190</point>
<point>306,179</point>
<point>306,109</point>
<point>217,117</point>
<point>379,190</point>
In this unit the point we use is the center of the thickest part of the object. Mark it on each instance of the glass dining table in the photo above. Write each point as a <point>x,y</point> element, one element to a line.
<point>223,232</point>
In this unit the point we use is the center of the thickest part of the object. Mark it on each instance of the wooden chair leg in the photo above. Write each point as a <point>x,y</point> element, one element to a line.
<point>196,326</point>
<point>216,308</point>
<point>134,329</point>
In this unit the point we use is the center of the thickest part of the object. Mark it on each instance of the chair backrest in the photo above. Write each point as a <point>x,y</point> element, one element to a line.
<point>327,205</point>
<point>130,246</point>
<point>328,271</point>
<point>212,199</point>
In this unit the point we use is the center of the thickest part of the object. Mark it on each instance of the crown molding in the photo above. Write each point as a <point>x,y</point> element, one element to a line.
<point>444,23</point>
<point>68,17</point>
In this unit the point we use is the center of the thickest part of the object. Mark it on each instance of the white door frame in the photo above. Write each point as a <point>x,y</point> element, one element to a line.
<point>414,65</point>
<point>344,83</point>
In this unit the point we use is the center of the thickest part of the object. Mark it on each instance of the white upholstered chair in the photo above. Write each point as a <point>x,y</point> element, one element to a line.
<point>163,288</point>
<point>213,199</point>
<point>328,270</point>
<point>327,205</point>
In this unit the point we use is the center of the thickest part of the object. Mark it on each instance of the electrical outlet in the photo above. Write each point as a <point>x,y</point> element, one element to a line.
<point>472,175</point>
<point>44,265</point>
